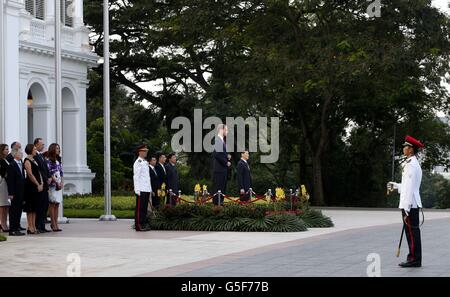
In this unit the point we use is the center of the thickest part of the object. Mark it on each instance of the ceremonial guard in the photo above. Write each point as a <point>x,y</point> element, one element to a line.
<point>142,188</point>
<point>410,201</point>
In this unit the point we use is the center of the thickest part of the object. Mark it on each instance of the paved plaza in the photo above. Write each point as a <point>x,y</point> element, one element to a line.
<point>114,249</point>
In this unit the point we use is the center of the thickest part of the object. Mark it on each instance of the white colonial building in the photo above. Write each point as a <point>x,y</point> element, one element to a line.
<point>27,101</point>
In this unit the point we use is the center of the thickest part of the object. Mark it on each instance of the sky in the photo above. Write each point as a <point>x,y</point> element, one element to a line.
<point>442,4</point>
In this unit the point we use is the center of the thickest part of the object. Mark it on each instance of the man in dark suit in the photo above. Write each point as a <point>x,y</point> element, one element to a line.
<point>244,177</point>
<point>220,164</point>
<point>160,168</point>
<point>41,214</point>
<point>16,187</point>
<point>172,177</point>
<point>14,146</point>
<point>154,180</point>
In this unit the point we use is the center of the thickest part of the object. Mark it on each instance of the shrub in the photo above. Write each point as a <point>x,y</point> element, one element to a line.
<point>315,219</point>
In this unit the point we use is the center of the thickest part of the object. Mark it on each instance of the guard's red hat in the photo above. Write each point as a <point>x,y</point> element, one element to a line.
<point>142,148</point>
<point>411,141</point>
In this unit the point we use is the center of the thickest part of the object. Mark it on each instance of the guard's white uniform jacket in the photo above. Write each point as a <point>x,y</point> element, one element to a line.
<point>141,176</point>
<point>410,186</point>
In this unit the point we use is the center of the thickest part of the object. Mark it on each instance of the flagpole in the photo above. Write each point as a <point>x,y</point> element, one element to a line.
<point>107,216</point>
<point>58,93</point>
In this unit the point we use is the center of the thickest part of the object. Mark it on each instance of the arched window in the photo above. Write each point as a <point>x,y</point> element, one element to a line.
<point>36,8</point>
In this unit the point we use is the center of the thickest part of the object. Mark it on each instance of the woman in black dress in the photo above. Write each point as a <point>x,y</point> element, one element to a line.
<point>33,188</point>
<point>4,203</point>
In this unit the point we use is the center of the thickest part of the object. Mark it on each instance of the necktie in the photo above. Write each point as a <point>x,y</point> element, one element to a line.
<point>20,167</point>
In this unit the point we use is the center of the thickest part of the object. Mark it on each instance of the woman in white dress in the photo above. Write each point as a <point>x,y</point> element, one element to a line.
<point>4,202</point>
<point>55,193</point>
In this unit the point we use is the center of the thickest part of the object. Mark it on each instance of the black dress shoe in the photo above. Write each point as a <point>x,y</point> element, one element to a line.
<point>16,233</point>
<point>22,229</point>
<point>410,264</point>
<point>44,230</point>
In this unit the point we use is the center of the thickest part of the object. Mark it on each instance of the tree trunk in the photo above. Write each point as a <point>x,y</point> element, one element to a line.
<point>319,196</point>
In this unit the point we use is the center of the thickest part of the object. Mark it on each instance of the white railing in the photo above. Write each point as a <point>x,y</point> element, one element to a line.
<point>37,29</point>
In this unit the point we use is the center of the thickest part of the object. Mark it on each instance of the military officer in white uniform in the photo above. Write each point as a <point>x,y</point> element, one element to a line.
<point>142,189</point>
<point>410,201</point>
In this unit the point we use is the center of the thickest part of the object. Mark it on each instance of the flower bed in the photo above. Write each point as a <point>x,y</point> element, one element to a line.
<point>235,217</point>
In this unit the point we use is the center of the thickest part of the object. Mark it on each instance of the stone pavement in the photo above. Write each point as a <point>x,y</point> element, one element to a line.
<point>114,249</point>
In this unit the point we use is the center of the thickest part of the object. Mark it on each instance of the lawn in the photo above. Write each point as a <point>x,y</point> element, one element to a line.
<point>93,207</point>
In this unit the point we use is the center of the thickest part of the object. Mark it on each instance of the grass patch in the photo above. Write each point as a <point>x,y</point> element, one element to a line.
<point>96,213</point>
<point>97,202</point>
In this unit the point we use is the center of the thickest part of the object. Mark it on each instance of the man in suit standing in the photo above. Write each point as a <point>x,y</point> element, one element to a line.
<point>154,180</point>
<point>220,164</point>
<point>14,146</point>
<point>16,187</point>
<point>160,168</point>
<point>172,177</point>
<point>244,177</point>
<point>41,214</point>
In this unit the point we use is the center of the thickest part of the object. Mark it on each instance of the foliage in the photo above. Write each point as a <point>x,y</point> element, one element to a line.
<point>435,191</point>
<point>118,203</point>
<point>234,217</point>
<point>315,219</point>
<point>275,223</point>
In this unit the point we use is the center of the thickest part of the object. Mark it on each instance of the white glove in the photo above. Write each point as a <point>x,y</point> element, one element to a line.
<point>393,185</point>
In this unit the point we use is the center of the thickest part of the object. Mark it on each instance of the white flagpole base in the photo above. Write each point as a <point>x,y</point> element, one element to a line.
<point>108,218</point>
<point>63,220</point>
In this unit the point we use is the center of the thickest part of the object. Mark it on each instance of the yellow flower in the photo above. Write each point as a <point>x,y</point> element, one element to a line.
<point>279,193</point>
<point>304,192</point>
<point>162,191</point>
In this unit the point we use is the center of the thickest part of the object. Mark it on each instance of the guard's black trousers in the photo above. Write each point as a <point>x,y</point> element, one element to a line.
<point>412,232</point>
<point>219,183</point>
<point>140,214</point>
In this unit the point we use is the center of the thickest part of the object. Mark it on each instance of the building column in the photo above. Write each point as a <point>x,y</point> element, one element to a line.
<point>22,106</point>
<point>2,75</point>
<point>11,78</point>
<point>78,14</point>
